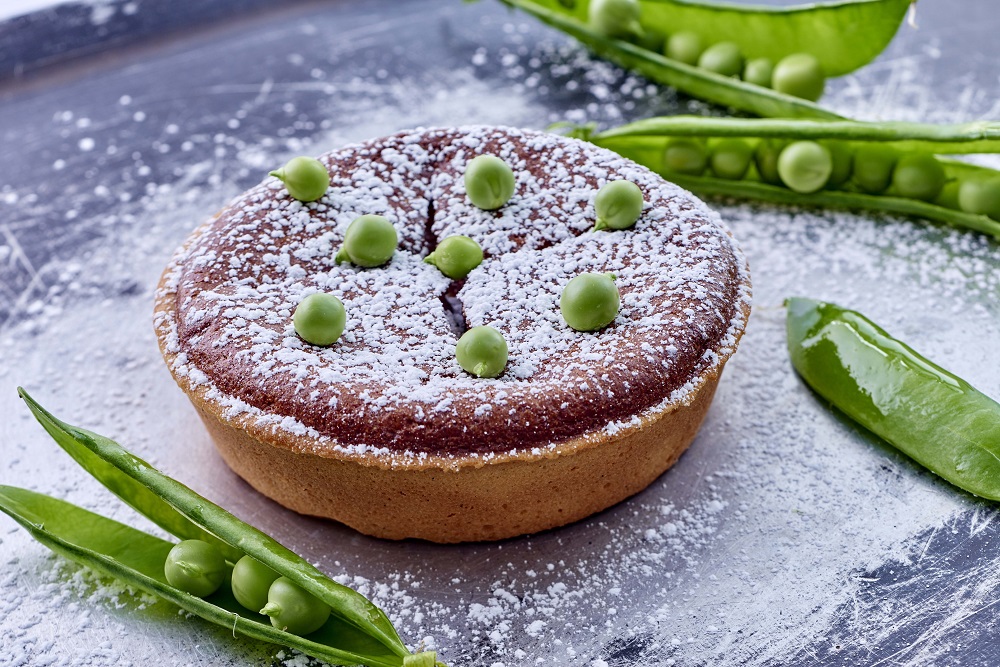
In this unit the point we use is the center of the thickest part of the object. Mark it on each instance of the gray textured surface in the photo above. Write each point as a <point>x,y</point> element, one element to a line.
<point>785,536</point>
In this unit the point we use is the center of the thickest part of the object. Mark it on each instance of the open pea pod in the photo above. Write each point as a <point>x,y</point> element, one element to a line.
<point>645,142</point>
<point>929,414</point>
<point>843,36</point>
<point>694,81</point>
<point>187,515</point>
<point>137,558</point>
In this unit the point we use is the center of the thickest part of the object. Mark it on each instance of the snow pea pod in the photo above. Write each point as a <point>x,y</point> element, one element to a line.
<point>187,515</point>
<point>929,414</point>
<point>136,558</point>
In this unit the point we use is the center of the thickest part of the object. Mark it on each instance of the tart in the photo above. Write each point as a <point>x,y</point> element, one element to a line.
<point>383,430</point>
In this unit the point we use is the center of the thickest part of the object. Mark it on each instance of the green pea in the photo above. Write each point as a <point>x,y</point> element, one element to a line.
<point>319,319</point>
<point>873,165</point>
<point>685,156</point>
<point>305,178</point>
<point>918,176</point>
<point>758,72</point>
<point>843,162</point>
<point>456,256</point>
<point>949,195</point>
<point>722,58</point>
<point>590,301</point>
<point>482,351</point>
<point>765,156</point>
<point>615,18</point>
<point>618,205</point>
<point>489,182</point>
<point>251,582</point>
<point>805,166</point>
<point>731,159</point>
<point>652,40</point>
<point>293,610</point>
<point>370,241</point>
<point>980,196</point>
<point>195,567</point>
<point>799,75</point>
<point>684,46</point>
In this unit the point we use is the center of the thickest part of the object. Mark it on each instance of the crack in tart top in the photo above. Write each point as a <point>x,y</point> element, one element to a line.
<point>391,387</point>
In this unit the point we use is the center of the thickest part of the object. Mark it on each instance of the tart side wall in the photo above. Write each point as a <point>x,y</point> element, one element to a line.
<point>526,494</point>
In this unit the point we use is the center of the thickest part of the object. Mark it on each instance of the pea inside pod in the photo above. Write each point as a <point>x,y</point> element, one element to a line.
<point>251,582</point>
<point>293,610</point>
<point>196,567</point>
<point>616,18</point>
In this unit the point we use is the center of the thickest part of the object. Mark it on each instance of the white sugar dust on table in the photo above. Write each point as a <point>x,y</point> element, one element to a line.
<point>761,544</point>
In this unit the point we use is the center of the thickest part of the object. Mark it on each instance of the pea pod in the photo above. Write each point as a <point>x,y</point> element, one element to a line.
<point>369,635</point>
<point>692,80</point>
<point>843,36</point>
<point>645,142</point>
<point>136,558</point>
<point>929,414</point>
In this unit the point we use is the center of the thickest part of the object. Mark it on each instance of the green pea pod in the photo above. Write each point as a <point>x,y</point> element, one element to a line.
<point>645,142</point>
<point>187,515</point>
<point>694,81</point>
<point>929,414</point>
<point>136,558</point>
<point>843,36</point>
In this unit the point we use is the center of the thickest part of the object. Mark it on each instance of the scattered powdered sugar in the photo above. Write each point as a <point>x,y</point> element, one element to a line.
<point>783,537</point>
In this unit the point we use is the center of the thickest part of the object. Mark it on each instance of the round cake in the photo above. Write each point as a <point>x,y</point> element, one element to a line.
<point>383,430</point>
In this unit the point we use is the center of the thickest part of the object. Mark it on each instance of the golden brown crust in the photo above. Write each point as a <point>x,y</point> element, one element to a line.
<point>523,494</point>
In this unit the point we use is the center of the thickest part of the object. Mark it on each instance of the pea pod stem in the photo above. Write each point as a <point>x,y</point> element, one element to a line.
<point>965,138</point>
<point>929,414</point>
<point>694,81</point>
<point>166,501</point>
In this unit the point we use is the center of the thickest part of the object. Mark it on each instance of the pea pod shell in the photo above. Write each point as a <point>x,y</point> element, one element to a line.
<point>170,503</point>
<point>931,415</point>
<point>136,558</point>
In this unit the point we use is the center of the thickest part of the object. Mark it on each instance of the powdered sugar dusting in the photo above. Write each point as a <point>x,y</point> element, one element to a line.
<point>783,536</point>
<point>392,384</point>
